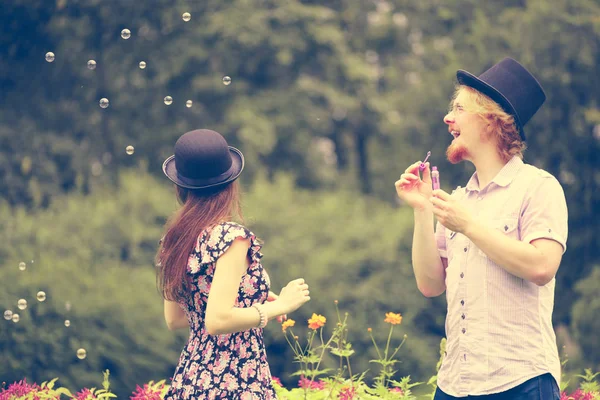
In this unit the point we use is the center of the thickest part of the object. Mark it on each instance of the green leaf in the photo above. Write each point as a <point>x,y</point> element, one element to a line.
<point>65,391</point>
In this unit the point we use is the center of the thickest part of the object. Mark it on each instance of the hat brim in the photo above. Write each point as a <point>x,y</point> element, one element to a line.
<point>237,159</point>
<point>468,79</point>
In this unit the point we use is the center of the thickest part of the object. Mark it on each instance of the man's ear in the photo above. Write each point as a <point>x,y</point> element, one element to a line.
<point>487,134</point>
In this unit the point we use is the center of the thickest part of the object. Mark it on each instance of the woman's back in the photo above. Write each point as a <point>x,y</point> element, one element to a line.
<point>230,366</point>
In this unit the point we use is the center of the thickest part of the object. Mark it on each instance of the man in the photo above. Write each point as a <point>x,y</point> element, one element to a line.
<point>497,245</point>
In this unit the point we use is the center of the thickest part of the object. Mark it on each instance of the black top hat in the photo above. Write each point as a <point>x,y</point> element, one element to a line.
<point>203,159</point>
<point>509,84</point>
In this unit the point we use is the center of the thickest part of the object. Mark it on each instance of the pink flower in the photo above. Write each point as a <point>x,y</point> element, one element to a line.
<point>277,380</point>
<point>307,384</point>
<point>577,395</point>
<point>85,394</point>
<point>147,393</point>
<point>18,389</point>
<point>347,393</point>
<point>396,390</point>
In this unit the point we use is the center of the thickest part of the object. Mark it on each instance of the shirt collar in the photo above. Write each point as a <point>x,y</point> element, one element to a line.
<point>503,178</point>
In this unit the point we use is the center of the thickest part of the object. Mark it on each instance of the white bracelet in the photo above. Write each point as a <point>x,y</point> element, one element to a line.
<point>262,314</point>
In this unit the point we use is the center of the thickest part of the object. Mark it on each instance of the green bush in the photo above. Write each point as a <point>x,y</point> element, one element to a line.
<point>96,252</point>
<point>585,323</point>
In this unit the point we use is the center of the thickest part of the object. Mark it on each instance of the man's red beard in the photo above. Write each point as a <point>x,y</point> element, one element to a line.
<point>456,153</point>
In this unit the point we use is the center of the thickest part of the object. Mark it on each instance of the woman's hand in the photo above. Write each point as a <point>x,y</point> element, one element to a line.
<point>272,297</point>
<point>293,296</point>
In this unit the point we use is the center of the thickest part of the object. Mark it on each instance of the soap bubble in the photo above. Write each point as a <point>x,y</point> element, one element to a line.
<point>142,64</point>
<point>226,80</point>
<point>597,131</point>
<point>15,318</point>
<point>81,354</point>
<point>96,168</point>
<point>129,150</point>
<point>125,33</point>
<point>186,16</point>
<point>189,103</point>
<point>41,296</point>
<point>91,64</point>
<point>49,56</point>
<point>67,323</point>
<point>22,304</point>
<point>8,315</point>
<point>168,100</point>
<point>22,266</point>
<point>104,102</point>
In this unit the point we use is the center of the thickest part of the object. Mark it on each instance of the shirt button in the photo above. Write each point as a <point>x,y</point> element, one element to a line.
<point>549,230</point>
<point>465,249</point>
<point>462,275</point>
<point>505,228</point>
<point>463,316</point>
<point>462,302</point>
<point>464,330</point>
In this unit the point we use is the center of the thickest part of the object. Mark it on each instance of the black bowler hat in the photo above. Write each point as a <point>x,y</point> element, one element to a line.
<point>203,159</point>
<point>509,84</point>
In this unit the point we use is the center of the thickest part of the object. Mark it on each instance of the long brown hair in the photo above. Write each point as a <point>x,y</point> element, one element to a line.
<point>199,210</point>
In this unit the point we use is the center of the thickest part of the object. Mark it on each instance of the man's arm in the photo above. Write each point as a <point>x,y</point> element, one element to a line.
<point>428,266</point>
<point>543,227</point>
<point>536,262</point>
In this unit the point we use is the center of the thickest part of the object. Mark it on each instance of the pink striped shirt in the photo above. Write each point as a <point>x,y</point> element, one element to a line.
<point>499,327</point>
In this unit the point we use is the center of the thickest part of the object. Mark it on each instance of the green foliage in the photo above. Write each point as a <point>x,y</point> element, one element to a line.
<point>100,259</point>
<point>338,97</point>
<point>585,322</point>
<point>589,383</point>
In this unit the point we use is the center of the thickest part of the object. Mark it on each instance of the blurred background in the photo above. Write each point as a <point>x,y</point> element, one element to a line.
<point>329,100</point>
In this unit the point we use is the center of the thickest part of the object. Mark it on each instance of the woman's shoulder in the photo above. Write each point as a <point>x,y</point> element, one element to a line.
<point>216,239</point>
<point>221,235</point>
<point>229,229</point>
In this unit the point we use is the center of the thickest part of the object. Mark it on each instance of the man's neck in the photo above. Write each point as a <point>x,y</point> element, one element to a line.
<point>487,164</point>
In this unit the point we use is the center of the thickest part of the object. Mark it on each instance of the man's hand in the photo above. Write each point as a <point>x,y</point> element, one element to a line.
<point>413,190</point>
<point>450,213</point>
<point>272,297</point>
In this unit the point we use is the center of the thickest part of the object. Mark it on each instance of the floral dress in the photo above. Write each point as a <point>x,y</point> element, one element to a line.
<point>231,366</point>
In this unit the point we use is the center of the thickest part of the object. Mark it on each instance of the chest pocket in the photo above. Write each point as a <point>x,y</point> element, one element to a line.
<point>507,225</point>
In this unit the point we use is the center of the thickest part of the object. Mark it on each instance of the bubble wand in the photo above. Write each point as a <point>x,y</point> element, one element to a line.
<point>422,166</point>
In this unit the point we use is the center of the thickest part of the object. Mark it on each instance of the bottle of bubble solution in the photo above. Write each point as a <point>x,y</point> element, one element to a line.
<point>435,178</point>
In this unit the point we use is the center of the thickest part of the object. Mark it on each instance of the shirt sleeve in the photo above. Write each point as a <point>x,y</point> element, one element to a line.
<point>440,238</point>
<point>544,214</point>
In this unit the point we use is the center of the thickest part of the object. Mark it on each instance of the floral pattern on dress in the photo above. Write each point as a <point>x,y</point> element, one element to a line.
<point>231,366</point>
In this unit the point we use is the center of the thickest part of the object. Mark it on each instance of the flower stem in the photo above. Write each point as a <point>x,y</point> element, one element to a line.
<point>398,348</point>
<point>375,344</point>
<point>387,345</point>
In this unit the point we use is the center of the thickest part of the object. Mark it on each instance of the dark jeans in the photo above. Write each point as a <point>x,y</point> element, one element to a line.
<point>542,387</point>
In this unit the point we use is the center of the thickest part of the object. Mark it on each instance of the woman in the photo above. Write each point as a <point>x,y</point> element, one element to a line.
<point>212,280</point>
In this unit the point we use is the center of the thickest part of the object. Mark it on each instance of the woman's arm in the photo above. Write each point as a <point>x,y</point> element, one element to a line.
<point>174,316</point>
<point>222,316</point>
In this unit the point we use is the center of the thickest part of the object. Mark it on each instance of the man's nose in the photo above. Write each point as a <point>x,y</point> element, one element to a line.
<point>449,118</point>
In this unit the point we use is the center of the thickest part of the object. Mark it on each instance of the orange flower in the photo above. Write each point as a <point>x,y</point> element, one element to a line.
<point>369,330</point>
<point>393,318</point>
<point>316,321</point>
<point>288,323</point>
